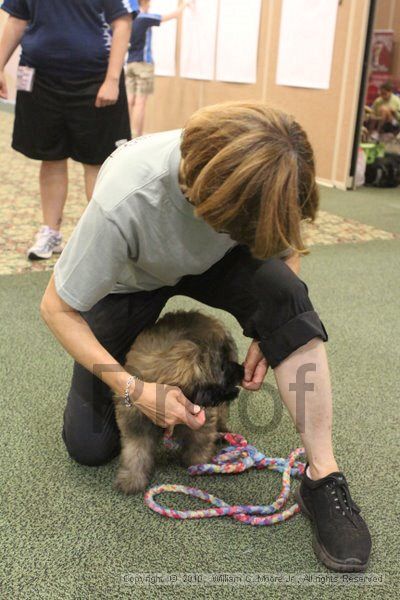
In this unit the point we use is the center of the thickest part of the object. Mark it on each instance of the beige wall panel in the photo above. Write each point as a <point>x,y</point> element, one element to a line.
<point>328,116</point>
<point>193,94</point>
<point>218,91</point>
<point>383,14</point>
<point>316,110</point>
<point>396,53</point>
<point>173,102</point>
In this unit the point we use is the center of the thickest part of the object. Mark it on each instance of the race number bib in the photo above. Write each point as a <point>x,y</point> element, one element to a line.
<point>25,78</point>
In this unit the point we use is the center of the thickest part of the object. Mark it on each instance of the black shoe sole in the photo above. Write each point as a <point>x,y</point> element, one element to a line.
<point>33,256</point>
<point>321,553</point>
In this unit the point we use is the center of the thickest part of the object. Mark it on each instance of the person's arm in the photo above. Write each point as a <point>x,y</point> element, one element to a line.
<point>121,33</point>
<point>174,15</point>
<point>396,109</point>
<point>13,32</point>
<point>376,106</point>
<point>75,335</point>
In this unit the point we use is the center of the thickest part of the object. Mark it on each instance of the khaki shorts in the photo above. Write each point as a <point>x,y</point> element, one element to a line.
<point>139,78</point>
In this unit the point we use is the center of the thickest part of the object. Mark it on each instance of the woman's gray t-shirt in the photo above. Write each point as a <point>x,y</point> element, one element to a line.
<point>138,232</point>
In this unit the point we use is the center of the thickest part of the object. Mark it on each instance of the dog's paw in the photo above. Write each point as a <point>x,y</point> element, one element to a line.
<point>129,483</point>
<point>197,457</point>
<point>223,429</point>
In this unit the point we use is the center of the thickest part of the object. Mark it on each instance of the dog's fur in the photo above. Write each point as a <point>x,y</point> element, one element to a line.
<point>195,353</point>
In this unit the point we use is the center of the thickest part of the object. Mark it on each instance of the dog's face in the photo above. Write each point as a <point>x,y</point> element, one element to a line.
<point>228,376</point>
<point>192,351</point>
<point>195,353</point>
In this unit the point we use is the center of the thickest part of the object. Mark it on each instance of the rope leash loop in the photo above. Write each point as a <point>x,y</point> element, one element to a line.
<point>236,458</point>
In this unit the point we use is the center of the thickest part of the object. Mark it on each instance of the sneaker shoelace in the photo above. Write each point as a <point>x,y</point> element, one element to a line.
<point>339,489</point>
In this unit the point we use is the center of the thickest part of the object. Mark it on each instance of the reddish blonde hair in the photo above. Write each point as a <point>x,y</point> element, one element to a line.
<point>250,171</point>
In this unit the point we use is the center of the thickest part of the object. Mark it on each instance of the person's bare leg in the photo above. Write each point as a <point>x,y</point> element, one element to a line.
<point>53,181</point>
<point>386,114</point>
<point>304,385</point>
<point>90,174</point>
<point>131,105</point>
<point>139,113</point>
<point>342,541</point>
<point>385,117</point>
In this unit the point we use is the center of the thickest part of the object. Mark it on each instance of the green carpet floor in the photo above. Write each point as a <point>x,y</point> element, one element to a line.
<point>377,207</point>
<point>66,534</point>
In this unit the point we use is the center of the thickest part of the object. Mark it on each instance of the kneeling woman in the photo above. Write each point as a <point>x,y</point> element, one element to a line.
<point>212,212</point>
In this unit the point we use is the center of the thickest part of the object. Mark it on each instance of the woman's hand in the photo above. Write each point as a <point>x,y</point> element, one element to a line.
<point>255,368</point>
<point>166,406</point>
<point>3,86</point>
<point>108,93</point>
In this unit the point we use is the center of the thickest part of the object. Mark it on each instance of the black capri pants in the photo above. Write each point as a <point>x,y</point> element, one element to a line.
<point>270,302</point>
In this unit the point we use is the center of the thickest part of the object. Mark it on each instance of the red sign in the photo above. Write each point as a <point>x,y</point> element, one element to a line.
<point>381,51</point>
<point>381,59</point>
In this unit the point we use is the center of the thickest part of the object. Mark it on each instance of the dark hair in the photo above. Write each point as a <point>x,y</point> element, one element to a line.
<point>388,86</point>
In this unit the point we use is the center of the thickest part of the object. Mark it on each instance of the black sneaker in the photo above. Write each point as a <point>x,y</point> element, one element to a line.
<point>341,537</point>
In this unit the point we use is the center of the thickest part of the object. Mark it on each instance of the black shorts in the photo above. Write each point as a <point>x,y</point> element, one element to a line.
<point>59,120</point>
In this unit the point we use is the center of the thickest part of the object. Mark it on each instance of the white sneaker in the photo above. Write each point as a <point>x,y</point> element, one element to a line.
<point>48,241</point>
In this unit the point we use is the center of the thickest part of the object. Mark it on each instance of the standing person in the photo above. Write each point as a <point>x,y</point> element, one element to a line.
<point>213,213</point>
<point>71,99</point>
<point>140,67</point>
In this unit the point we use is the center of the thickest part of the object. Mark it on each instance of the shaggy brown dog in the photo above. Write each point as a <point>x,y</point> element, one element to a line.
<point>195,353</point>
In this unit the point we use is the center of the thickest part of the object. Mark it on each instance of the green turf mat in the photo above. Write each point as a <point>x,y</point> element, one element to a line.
<point>379,207</point>
<point>66,534</point>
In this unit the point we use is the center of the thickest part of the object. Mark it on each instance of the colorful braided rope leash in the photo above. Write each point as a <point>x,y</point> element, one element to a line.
<point>239,456</point>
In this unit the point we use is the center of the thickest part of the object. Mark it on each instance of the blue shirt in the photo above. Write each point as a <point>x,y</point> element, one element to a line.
<point>68,39</point>
<point>140,48</point>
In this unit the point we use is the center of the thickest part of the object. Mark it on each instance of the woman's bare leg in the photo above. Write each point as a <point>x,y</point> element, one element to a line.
<point>138,115</point>
<point>53,180</point>
<point>131,106</point>
<point>304,384</point>
<point>90,174</point>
